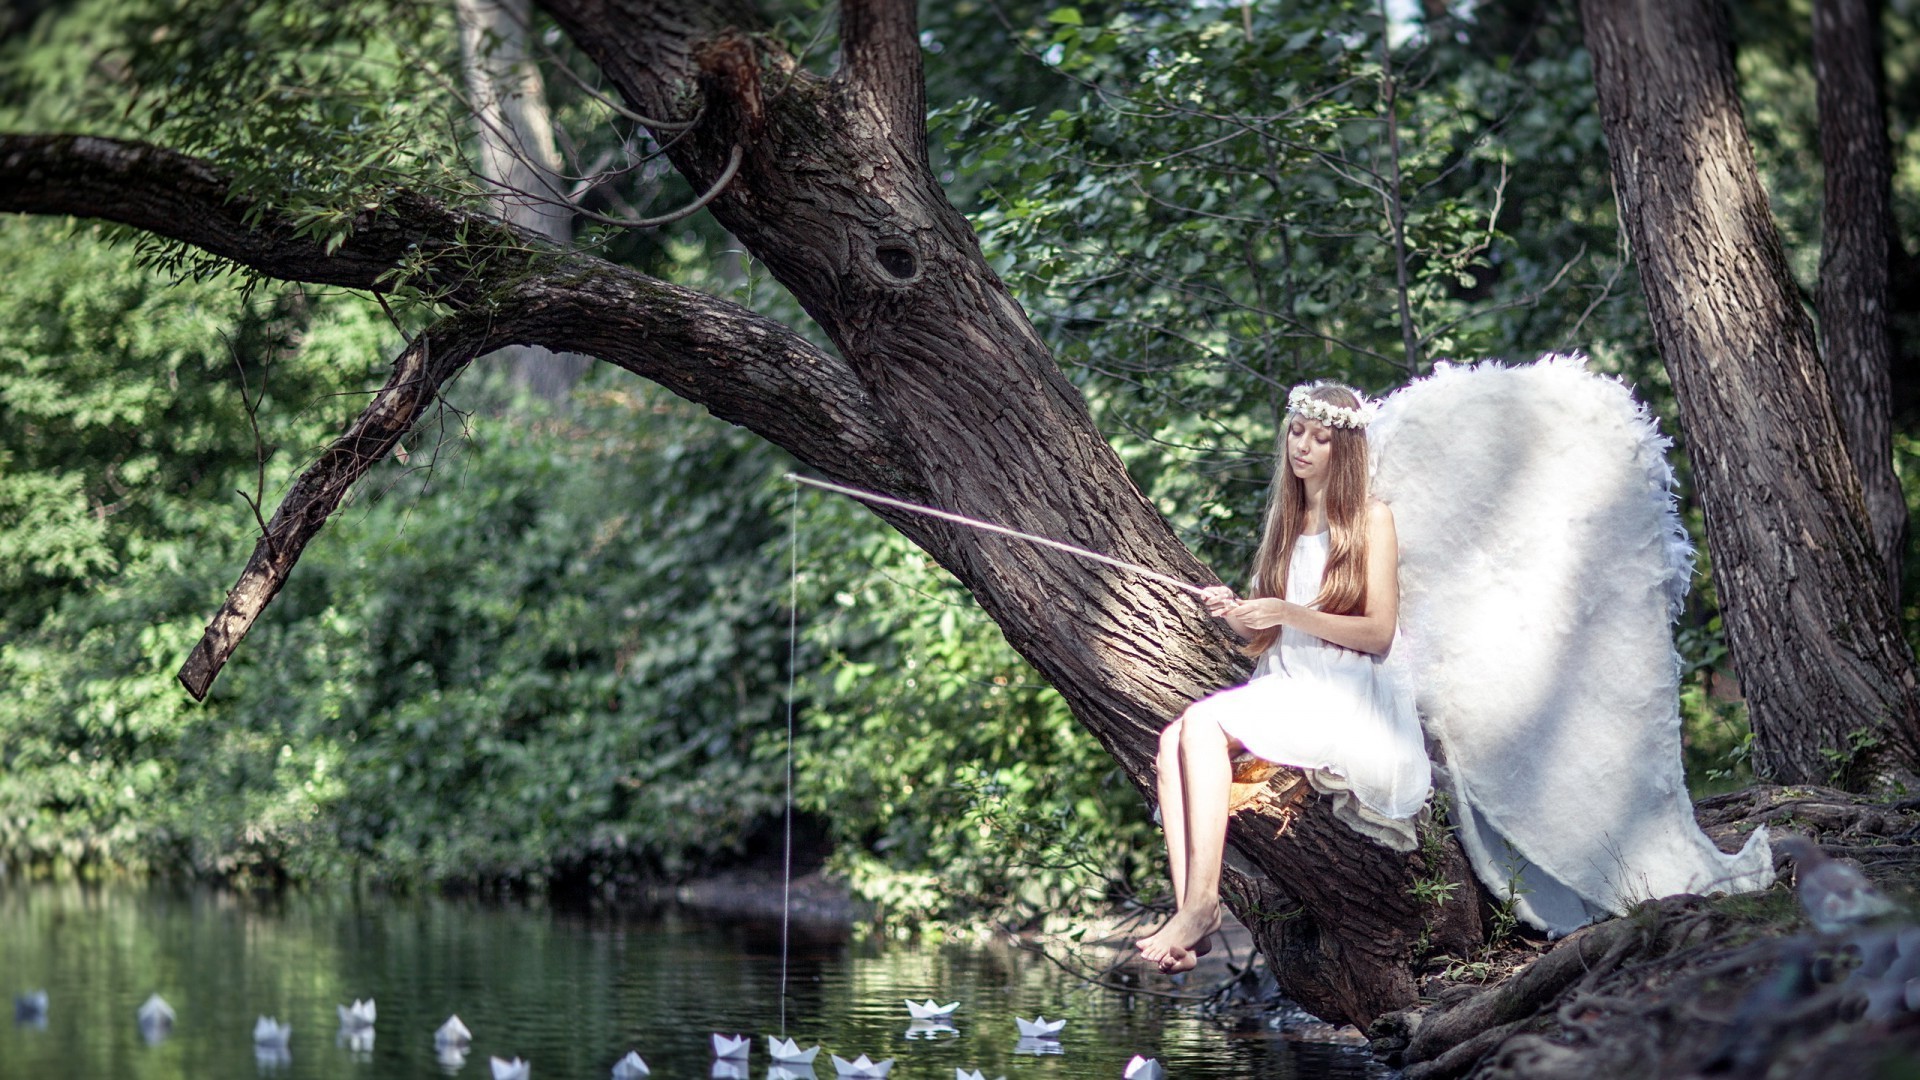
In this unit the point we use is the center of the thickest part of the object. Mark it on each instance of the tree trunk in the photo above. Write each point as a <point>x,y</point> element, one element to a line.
<point>1855,245</point>
<point>508,100</point>
<point>1830,682</point>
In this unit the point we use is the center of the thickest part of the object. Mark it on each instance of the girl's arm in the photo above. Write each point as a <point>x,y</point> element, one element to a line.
<point>1368,632</point>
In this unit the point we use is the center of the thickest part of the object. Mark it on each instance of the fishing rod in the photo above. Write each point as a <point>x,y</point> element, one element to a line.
<point>988,526</point>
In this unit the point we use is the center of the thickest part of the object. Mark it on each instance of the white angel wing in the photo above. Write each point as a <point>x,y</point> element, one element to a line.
<point>1541,563</point>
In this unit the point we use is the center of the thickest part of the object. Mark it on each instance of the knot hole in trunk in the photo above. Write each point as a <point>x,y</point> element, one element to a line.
<point>897,261</point>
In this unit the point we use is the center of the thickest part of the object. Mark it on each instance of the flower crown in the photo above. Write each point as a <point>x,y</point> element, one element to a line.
<point>1301,402</point>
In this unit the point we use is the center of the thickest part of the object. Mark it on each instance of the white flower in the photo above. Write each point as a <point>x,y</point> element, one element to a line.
<point>1301,402</point>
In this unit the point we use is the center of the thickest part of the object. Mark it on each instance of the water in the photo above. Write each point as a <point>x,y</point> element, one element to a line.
<point>570,992</point>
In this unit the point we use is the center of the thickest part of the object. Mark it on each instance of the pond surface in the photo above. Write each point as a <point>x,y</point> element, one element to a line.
<point>571,992</point>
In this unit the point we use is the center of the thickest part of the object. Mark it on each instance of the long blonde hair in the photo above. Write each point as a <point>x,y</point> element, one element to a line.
<point>1343,587</point>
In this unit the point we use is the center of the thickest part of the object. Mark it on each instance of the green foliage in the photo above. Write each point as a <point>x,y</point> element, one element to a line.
<point>1231,201</point>
<point>953,778</point>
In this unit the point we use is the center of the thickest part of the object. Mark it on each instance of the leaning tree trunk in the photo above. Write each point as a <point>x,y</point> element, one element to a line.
<point>1815,638</point>
<point>836,196</point>
<point>1856,238</point>
<point>518,161</point>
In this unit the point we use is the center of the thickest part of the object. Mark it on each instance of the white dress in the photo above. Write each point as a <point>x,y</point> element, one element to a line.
<point>1345,718</point>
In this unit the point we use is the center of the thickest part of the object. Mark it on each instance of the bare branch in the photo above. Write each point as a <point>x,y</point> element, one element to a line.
<point>434,357</point>
<point>712,193</point>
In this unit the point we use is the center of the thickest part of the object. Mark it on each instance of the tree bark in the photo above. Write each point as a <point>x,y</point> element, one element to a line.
<point>517,158</point>
<point>1830,682</point>
<point>1855,247</point>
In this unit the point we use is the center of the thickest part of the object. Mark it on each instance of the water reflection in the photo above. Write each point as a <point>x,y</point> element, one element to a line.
<point>569,992</point>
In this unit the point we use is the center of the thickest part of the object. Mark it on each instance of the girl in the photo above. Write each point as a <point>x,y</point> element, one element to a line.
<point>1323,697</point>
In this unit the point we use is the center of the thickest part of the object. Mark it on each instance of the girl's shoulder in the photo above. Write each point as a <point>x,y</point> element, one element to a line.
<point>1380,522</point>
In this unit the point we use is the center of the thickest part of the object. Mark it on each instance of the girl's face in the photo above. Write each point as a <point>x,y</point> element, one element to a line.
<point>1309,448</point>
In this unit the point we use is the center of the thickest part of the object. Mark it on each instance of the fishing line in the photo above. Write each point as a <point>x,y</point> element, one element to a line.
<point>988,526</point>
<point>793,650</point>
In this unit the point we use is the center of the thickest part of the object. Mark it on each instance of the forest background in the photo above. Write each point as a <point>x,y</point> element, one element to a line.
<point>548,647</point>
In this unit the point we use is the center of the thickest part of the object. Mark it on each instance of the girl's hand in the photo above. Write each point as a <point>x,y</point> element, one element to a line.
<point>1219,600</point>
<point>1260,614</point>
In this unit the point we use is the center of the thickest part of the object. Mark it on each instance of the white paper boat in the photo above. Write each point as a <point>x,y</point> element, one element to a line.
<point>1040,1027</point>
<point>962,1074</point>
<point>450,1058</point>
<point>1145,1068</point>
<point>630,1067</point>
<point>155,1014</point>
<point>861,1067</point>
<point>30,1007</point>
<point>929,1029</point>
<point>453,1035</point>
<point>788,1052</point>
<point>358,1041</point>
<point>1037,1047</point>
<point>731,1046</point>
<point>510,1070</point>
<point>729,1069</point>
<point>357,1015</point>
<point>269,1032</point>
<point>929,1010</point>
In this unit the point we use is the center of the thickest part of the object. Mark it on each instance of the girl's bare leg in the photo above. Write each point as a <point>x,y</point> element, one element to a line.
<point>1173,807</point>
<point>1206,771</point>
<point>1173,811</point>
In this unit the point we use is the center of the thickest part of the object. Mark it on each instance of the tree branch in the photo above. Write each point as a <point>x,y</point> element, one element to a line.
<point>185,198</point>
<point>435,356</point>
<point>880,58</point>
<point>746,369</point>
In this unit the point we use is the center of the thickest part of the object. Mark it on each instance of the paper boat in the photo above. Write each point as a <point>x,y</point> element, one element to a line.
<point>1037,1047</point>
<point>357,1041</point>
<point>155,1014</point>
<point>929,1010</point>
<point>357,1015</point>
<point>30,1007</point>
<point>1144,1068</point>
<point>861,1067</point>
<point>510,1070</point>
<point>630,1067</point>
<point>1040,1027</point>
<point>453,1035</point>
<point>929,1029</point>
<point>731,1046</point>
<point>962,1074</point>
<point>271,1033</point>
<point>788,1052</point>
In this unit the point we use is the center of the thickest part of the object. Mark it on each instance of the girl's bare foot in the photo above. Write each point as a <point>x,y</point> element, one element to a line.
<point>1180,960</point>
<point>1185,931</point>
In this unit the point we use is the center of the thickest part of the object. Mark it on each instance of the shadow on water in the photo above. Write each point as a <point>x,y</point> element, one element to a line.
<point>569,991</point>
